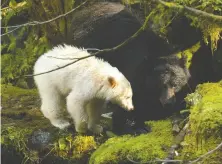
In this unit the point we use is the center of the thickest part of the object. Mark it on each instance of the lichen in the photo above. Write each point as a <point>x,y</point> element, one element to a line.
<point>205,122</point>
<point>141,148</point>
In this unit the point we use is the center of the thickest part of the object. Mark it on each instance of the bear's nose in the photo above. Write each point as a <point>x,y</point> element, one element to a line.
<point>131,108</point>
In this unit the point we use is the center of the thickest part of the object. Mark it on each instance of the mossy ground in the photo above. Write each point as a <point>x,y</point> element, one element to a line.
<point>21,118</point>
<point>143,148</point>
<point>205,131</point>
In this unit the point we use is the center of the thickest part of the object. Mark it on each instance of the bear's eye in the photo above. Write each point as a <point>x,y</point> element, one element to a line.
<point>173,84</point>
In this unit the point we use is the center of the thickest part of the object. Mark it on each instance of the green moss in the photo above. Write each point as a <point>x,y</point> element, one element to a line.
<point>205,122</point>
<point>189,53</point>
<point>11,91</point>
<point>12,136</point>
<point>62,144</point>
<point>143,148</point>
<point>21,117</point>
<point>14,97</point>
<point>74,147</point>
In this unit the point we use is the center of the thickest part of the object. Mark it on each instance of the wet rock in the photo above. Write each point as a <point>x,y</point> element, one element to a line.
<point>39,139</point>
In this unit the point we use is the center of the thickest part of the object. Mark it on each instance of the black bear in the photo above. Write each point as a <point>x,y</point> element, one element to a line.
<point>156,88</point>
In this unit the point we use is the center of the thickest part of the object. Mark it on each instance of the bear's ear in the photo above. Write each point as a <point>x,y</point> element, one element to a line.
<point>112,82</point>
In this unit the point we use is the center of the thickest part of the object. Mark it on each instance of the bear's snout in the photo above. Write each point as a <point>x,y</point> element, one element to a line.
<point>131,108</point>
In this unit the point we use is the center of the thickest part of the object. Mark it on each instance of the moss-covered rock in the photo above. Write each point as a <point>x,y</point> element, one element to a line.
<point>141,148</point>
<point>205,131</point>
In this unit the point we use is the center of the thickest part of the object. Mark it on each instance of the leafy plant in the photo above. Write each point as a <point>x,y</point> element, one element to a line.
<point>21,48</point>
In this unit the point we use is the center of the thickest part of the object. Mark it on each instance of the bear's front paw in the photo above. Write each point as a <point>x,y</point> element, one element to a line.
<point>97,129</point>
<point>61,124</point>
<point>81,127</point>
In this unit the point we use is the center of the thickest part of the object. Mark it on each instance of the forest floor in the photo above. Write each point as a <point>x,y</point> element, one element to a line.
<point>28,137</point>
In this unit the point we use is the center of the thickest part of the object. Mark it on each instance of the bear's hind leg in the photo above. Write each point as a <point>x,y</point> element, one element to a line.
<point>75,107</point>
<point>94,110</point>
<point>51,108</point>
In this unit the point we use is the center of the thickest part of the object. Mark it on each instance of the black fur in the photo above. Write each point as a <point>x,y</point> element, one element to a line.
<point>154,78</point>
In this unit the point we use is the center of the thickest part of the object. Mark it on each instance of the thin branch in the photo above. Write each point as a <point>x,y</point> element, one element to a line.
<point>168,160</point>
<point>21,25</point>
<point>47,154</point>
<point>192,11</point>
<point>154,161</point>
<point>66,65</point>
<point>33,23</point>
<point>179,161</point>
<point>92,49</point>
<point>142,28</point>
<point>62,58</point>
<point>71,58</point>
<point>131,160</point>
<point>60,16</point>
<point>177,140</point>
<point>206,154</point>
<point>10,31</point>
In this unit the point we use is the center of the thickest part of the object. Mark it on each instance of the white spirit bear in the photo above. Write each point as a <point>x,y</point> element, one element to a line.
<point>86,85</point>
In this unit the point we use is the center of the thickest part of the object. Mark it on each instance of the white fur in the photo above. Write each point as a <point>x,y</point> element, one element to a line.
<point>84,84</point>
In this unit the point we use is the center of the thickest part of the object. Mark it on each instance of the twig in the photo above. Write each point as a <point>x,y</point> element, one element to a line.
<point>206,154</point>
<point>131,160</point>
<point>142,28</point>
<point>71,58</point>
<point>178,139</point>
<point>92,49</point>
<point>179,161</point>
<point>154,161</point>
<point>10,31</point>
<point>33,23</point>
<point>66,65</point>
<point>192,11</point>
<point>47,154</point>
<point>60,16</point>
<point>169,160</point>
<point>168,23</point>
